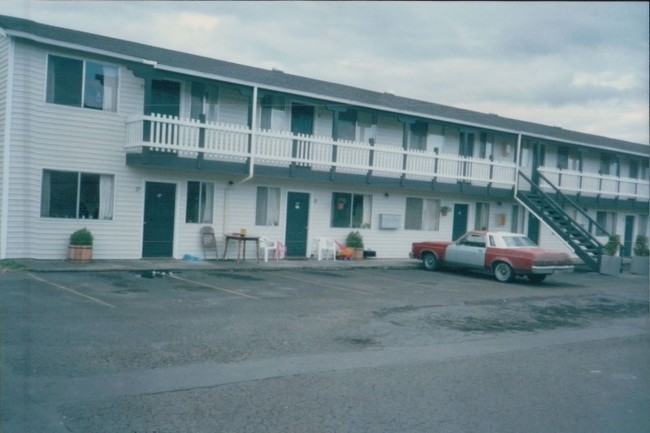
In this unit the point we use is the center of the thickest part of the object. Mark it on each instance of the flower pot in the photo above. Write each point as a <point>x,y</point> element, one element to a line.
<point>640,265</point>
<point>80,253</point>
<point>357,254</point>
<point>610,265</point>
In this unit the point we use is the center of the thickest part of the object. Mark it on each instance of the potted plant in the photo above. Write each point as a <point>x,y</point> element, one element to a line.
<point>640,261</point>
<point>80,248</point>
<point>341,202</point>
<point>355,241</point>
<point>445,210</point>
<point>610,263</point>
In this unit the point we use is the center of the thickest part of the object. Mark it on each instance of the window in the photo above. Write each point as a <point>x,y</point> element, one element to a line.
<point>80,83</point>
<point>418,136</point>
<point>606,220</point>
<point>272,115</point>
<point>563,158</point>
<point>267,210</point>
<point>351,210</point>
<point>482,217</point>
<point>634,169</point>
<point>67,194</point>
<point>346,127</point>
<point>608,164</point>
<point>200,202</point>
<point>422,214</point>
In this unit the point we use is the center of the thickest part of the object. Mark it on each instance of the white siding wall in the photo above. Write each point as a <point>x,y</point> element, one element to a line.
<point>4,69</point>
<point>49,136</point>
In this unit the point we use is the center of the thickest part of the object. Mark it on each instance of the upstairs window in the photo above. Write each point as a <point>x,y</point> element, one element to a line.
<point>66,194</point>
<point>351,210</point>
<point>79,83</point>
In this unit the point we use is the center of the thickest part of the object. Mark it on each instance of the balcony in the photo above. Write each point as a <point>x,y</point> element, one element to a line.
<point>250,149</point>
<point>595,185</point>
<point>187,140</point>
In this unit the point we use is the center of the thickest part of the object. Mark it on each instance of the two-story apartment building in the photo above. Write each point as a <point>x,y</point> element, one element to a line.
<point>144,146</point>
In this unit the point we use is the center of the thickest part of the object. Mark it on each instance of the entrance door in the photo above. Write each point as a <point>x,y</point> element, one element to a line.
<point>302,122</point>
<point>626,248</point>
<point>165,99</point>
<point>460,221</point>
<point>297,220</point>
<point>158,230</point>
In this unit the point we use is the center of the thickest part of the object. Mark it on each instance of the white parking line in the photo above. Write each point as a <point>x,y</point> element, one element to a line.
<point>67,289</point>
<point>214,287</point>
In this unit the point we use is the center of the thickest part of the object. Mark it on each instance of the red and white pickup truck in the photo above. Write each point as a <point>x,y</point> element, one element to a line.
<point>504,254</point>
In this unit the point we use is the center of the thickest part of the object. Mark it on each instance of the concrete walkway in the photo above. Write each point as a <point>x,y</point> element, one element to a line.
<point>219,265</point>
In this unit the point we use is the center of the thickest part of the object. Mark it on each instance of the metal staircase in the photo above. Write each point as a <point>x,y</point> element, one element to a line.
<point>550,208</point>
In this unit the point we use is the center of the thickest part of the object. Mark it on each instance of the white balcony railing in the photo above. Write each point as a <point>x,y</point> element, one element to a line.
<point>593,184</point>
<point>236,143</point>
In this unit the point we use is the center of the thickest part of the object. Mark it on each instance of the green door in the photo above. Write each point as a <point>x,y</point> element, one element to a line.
<point>158,229</point>
<point>460,221</point>
<point>297,220</point>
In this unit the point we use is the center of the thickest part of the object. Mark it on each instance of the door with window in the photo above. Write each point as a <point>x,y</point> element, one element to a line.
<point>158,224</point>
<point>165,99</point>
<point>297,221</point>
<point>302,122</point>
<point>460,221</point>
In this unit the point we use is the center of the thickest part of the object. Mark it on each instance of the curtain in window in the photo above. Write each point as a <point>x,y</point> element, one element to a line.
<point>110,88</point>
<point>273,210</point>
<point>431,215</point>
<point>105,197</point>
<point>207,202</point>
<point>367,210</point>
<point>46,194</point>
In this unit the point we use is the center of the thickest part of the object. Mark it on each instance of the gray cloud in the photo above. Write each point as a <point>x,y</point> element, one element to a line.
<point>563,62</point>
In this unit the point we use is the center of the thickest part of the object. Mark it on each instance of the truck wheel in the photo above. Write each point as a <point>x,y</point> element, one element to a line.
<point>503,272</point>
<point>430,262</point>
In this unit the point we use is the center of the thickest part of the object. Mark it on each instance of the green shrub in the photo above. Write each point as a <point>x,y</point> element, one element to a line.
<point>612,245</point>
<point>81,237</point>
<point>641,246</point>
<point>354,240</point>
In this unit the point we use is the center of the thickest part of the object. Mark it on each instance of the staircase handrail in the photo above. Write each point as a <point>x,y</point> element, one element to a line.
<point>592,222</point>
<point>572,203</point>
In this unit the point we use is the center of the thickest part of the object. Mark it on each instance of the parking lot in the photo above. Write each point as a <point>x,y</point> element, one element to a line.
<point>322,350</point>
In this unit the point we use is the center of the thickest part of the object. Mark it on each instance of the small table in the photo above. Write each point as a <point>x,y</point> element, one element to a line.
<point>242,239</point>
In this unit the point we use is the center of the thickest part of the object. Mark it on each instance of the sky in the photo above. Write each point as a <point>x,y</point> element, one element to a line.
<point>577,65</point>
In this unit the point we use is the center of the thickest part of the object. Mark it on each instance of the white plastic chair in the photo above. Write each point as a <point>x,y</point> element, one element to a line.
<point>325,246</point>
<point>270,245</point>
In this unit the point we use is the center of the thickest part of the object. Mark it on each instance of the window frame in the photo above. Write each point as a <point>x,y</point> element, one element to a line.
<point>84,85</point>
<point>425,205</point>
<point>345,208</point>
<point>104,201</point>
<point>262,218</point>
<point>201,203</point>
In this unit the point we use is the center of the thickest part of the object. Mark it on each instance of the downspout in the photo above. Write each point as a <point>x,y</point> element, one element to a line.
<point>6,154</point>
<point>251,164</point>
<point>518,164</point>
<point>253,146</point>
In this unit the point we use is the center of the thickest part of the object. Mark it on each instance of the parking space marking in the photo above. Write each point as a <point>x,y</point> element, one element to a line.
<point>67,289</point>
<point>221,289</point>
<point>331,286</point>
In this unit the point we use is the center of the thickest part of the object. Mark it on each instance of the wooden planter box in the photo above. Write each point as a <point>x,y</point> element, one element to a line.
<point>610,265</point>
<point>640,265</point>
<point>357,254</point>
<point>80,253</point>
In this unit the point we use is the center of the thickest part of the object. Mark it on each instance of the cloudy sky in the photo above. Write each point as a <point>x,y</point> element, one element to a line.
<point>578,65</point>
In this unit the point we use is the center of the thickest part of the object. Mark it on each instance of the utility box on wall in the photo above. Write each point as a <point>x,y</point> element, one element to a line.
<point>389,221</point>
